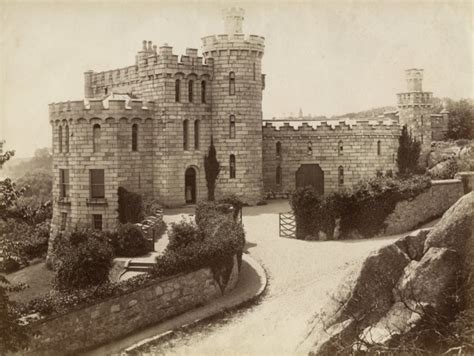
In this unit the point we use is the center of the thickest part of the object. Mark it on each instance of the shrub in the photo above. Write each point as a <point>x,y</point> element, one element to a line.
<point>184,233</point>
<point>212,168</point>
<point>207,213</point>
<point>236,202</point>
<point>408,153</point>
<point>128,241</point>
<point>130,206</point>
<point>84,259</point>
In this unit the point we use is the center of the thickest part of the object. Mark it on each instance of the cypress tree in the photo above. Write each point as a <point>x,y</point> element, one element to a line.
<point>408,153</point>
<point>212,168</point>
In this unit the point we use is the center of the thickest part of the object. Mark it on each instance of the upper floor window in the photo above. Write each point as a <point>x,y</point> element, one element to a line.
<point>196,134</point>
<point>379,148</point>
<point>254,72</point>
<point>96,138</point>
<point>231,83</point>
<point>310,148</point>
<point>278,175</point>
<point>66,137</point>
<point>203,92</point>
<point>135,137</point>
<point>64,183</point>
<point>97,183</point>
<point>106,91</point>
<point>340,175</point>
<point>60,138</point>
<point>232,166</point>
<point>185,134</point>
<point>177,90</point>
<point>232,126</point>
<point>191,91</point>
<point>340,148</point>
<point>278,149</point>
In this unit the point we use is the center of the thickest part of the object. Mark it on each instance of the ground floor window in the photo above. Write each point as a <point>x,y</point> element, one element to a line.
<point>97,221</point>
<point>63,221</point>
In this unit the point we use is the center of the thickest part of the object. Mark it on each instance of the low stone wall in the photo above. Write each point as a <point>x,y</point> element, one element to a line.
<point>93,325</point>
<point>467,179</point>
<point>409,214</point>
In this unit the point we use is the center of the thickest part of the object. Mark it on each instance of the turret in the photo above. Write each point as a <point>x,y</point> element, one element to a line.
<point>88,92</point>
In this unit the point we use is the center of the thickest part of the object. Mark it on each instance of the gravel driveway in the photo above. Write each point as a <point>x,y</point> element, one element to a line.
<point>301,274</point>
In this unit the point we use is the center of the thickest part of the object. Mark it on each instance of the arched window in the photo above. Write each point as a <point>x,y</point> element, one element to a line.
<point>135,137</point>
<point>379,148</point>
<point>340,176</point>
<point>310,148</point>
<point>66,137</point>
<point>340,148</point>
<point>232,166</point>
<point>203,92</point>
<point>96,138</point>
<point>231,83</point>
<point>278,176</point>
<point>191,91</point>
<point>278,149</point>
<point>232,126</point>
<point>196,134</point>
<point>60,138</point>
<point>185,134</point>
<point>177,90</point>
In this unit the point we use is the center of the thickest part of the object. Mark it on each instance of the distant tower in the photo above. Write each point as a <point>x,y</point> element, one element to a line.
<point>415,107</point>
<point>237,106</point>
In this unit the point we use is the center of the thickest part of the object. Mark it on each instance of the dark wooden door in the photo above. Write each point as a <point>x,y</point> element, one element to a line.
<point>190,186</point>
<point>310,175</point>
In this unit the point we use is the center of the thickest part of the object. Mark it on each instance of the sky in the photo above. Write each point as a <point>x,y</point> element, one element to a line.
<point>325,57</point>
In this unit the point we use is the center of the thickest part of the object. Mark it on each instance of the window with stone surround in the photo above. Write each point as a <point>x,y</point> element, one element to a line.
<point>340,178</point>
<point>278,175</point>
<point>196,134</point>
<point>203,92</point>
<point>340,148</point>
<point>379,148</point>
<point>232,126</point>
<point>191,91</point>
<point>278,149</point>
<point>64,183</point>
<point>60,138</point>
<point>231,83</point>
<point>135,137</point>
<point>97,221</point>
<point>185,135</point>
<point>177,90</point>
<point>66,137</point>
<point>96,138</point>
<point>232,167</point>
<point>97,184</point>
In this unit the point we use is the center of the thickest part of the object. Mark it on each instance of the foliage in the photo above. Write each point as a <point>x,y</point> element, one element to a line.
<point>37,184</point>
<point>9,194</point>
<point>128,241</point>
<point>362,211</point>
<point>184,233</point>
<point>151,206</point>
<point>130,206</point>
<point>408,153</point>
<point>447,171</point>
<point>83,259</point>
<point>212,168</point>
<point>208,213</point>
<point>6,156</point>
<point>235,201</point>
<point>461,119</point>
<point>42,161</point>
<point>13,335</point>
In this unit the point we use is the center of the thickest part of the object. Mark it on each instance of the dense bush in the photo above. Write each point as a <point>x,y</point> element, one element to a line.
<point>83,259</point>
<point>361,211</point>
<point>184,233</point>
<point>130,206</point>
<point>128,241</point>
<point>207,213</point>
<point>236,202</point>
<point>408,153</point>
<point>445,170</point>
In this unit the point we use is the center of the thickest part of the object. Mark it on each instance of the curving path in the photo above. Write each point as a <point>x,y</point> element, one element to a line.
<point>300,273</point>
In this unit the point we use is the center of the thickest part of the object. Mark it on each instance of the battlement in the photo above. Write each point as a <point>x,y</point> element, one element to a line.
<point>415,98</point>
<point>232,42</point>
<point>74,107</point>
<point>414,78</point>
<point>297,125</point>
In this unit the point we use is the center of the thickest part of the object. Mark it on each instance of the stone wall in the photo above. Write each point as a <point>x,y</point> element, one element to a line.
<point>409,214</point>
<point>91,326</point>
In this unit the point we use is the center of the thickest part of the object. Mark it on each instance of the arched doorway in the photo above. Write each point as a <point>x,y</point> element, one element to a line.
<point>310,175</point>
<point>190,186</point>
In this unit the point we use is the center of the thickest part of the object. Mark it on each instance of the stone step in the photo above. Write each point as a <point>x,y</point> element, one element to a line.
<point>139,269</point>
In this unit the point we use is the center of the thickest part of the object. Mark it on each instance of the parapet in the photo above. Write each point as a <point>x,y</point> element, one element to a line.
<point>414,78</point>
<point>233,41</point>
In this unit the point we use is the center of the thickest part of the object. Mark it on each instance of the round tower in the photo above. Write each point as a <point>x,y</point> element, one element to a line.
<point>236,94</point>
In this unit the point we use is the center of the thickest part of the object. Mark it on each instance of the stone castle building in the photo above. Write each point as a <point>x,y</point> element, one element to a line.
<point>147,127</point>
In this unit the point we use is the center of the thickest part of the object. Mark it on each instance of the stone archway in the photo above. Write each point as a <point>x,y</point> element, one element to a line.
<point>310,175</point>
<point>190,185</point>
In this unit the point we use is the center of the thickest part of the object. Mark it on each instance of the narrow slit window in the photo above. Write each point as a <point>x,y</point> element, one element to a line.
<point>278,149</point>
<point>341,176</point>
<point>232,167</point>
<point>203,92</point>
<point>278,176</point>
<point>340,148</point>
<point>196,134</point>
<point>60,138</point>
<point>96,138</point>
<point>191,91</point>
<point>379,148</point>
<point>135,137</point>
<point>232,126</point>
<point>310,148</point>
<point>66,138</point>
<point>185,134</point>
<point>231,83</point>
<point>177,90</point>
<point>64,183</point>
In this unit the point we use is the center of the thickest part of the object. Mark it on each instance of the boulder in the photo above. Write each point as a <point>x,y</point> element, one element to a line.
<point>413,244</point>
<point>431,280</point>
<point>455,227</point>
<point>333,339</point>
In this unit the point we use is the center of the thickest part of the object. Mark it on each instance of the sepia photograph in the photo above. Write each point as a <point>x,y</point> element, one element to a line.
<point>248,178</point>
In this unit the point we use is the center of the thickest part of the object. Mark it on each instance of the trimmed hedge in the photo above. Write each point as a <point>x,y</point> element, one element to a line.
<point>128,241</point>
<point>362,211</point>
<point>130,206</point>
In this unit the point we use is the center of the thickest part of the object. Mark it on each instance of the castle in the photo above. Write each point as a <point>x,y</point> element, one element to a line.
<point>147,127</point>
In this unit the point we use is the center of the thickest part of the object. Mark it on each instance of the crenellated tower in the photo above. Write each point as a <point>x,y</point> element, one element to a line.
<point>415,107</point>
<point>236,94</point>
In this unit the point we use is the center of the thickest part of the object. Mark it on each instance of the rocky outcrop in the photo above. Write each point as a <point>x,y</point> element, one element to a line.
<point>399,286</point>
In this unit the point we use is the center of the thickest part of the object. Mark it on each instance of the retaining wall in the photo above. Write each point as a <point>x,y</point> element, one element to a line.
<point>409,214</point>
<point>93,325</point>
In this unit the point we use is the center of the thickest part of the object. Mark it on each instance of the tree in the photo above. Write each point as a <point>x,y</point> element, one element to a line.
<point>461,117</point>
<point>5,157</point>
<point>212,168</point>
<point>408,153</point>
